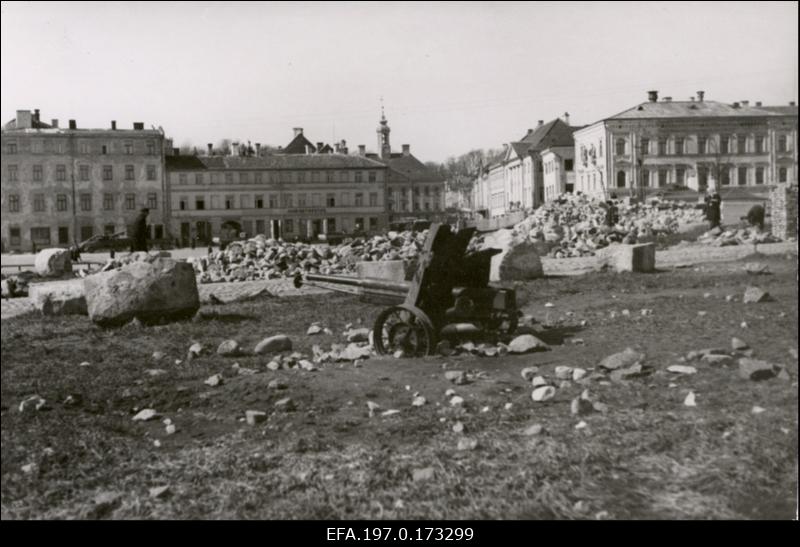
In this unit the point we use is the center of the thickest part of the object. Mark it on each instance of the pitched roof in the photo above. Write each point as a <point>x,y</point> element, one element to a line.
<point>298,145</point>
<point>275,161</point>
<point>553,133</point>
<point>689,109</point>
<point>408,167</point>
<point>35,124</point>
<point>788,110</point>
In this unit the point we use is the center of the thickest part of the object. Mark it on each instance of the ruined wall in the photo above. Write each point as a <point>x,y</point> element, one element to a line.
<point>784,211</point>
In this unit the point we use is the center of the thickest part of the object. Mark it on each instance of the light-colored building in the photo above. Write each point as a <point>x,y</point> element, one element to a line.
<point>558,164</point>
<point>280,195</point>
<point>62,185</point>
<point>695,143</point>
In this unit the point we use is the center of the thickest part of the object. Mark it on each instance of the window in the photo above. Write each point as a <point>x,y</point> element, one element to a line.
<point>12,173</point>
<point>199,204</point>
<point>725,177</point>
<point>11,148</point>
<point>151,148</point>
<point>61,202</point>
<point>244,178</point>
<point>329,176</point>
<point>229,202</point>
<point>372,176</point>
<point>129,172</point>
<point>373,199</point>
<point>568,165</point>
<point>152,201</point>
<point>13,203</point>
<point>86,232</point>
<point>273,177</point>
<point>359,176</point>
<point>331,225</point>
<point>151,172</point>
<point>741,177</point>
<point>246,202</point>
<point>761,144</point>
<point>759,175</point>
<point>38,203</point>
<point>783,144</point>
<point>662,147</point>
<point>86,202</point>
<point>782,173</point>
<point>288,225</point>
<point>108,202</point>
<point>128,148</point>
<point>316,200</point>
<point>183,178</point>
<point>741,145</point>
<point>620,151</point>
<point>41,236</point>
<point>288,200</point>
<point>83,172</point>
<point>108,172</point>
<point>130,202</point>
<point>702,143</point>
<point>662,177</point>
<point>63,235</point>
<point>37,146</point>
<point>273,201</point>
<point>359,199</point>
<point>215,203</point>
<point>183,204</point>
<point>315,176</point>
<point>61,173</point>
<point>85,148</point>
<point>108,229</point>
<point>14,236</point>
<point>330,200</point>
<point>258,177</point>
<point>198,178</point>
<point>678,146</point>
<point>724,145</point>
<point>373,223</point>
<point>344,176</point>
<point>645,177</point>
<point>229,178</point>
<point>301,200</point>
<point>620,179</point>
<point>104,149</point>
<point>215,178</point>
<point>680,176</point>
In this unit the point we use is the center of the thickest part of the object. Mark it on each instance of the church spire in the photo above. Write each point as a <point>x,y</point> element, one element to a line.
<point>383,131</point>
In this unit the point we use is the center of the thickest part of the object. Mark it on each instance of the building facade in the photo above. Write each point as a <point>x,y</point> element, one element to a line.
<point>698,144</point>
<point>558,171</point>
<point>280,195</point>
<point>61,186</point>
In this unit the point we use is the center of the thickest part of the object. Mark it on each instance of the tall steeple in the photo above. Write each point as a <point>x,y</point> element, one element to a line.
<point>383,136</point>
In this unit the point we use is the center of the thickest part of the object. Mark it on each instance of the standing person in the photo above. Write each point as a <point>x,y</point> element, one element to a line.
<point>612,213</point>
<point>755,216</point>
<point>139,232</point>
<point>713,213</point>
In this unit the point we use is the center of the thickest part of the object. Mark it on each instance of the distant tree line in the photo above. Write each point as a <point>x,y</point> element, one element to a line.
<point>460,171</point>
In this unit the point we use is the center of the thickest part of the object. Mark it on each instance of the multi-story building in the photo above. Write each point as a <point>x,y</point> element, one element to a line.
<point>414,189</point>
<point>62,185</point>
<point>288,195</point>
<point>695,143</point>
<point>558,163</point>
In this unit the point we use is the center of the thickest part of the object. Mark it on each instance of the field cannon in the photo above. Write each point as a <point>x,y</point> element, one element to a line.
<point>450,287</point>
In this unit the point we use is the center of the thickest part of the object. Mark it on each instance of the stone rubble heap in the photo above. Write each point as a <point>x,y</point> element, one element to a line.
<point>741,236</point>
<point>263,258</point>
<point>575,225</point>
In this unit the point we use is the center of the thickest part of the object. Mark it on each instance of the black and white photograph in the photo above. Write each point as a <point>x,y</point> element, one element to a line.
<point>402,269</point>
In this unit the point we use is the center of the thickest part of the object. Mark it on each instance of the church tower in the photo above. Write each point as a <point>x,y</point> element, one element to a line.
<point>383,138</point>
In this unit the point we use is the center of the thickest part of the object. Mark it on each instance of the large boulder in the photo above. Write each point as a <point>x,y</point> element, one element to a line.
<point>59,297</point>
<point>53,262</point>
<point>631,258</point>
<point>162,289</point>
<point>518,260</point>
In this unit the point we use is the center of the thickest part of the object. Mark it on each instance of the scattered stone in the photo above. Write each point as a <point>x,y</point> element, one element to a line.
<point>155,371</point>
<point>372,407</point>
<point>535,429</point>
<point>314,329</point>
<point>581,425</point>
<point>307,365</point>
<point>690,399</point>
<point>528,373</point>
<point>34,401</point>
<point>285,404</point>
<point>424,474</point>
<point>538,381</point>
<point>563,372</point>
<point>53,262</point>
<point>458,427</point>
<point>449,393</point>
<point>578,374</point>
<point>456,401</point>
<point>85,364</point>
<point>622,359</point>
<point>466,443</point>
<point>145,415</point>
<point>717,360</point>
<point>756,268</point>
<point>758,410</point>
<point>458,377</point>
<point>543,393</point>
<point>273,365</point>
<point>444,348</point>
<point>784,375</point>
<point>743,324</point>
<point>254,417</point>
<point>29,468</point>
<point>754,295</point>
<point>214,380</point>
<point>581,406</point>
<point>196,350</point>
<point>418,401</point>
<point>170,429</point>
<point>278,383</point>
<point>160,492</point>
<point>228,348</point>
<point>738,344</point>
<point>508,406</point>
<point>158,355</point>
<point>702,313</point>
<point>273,344</point>
<point>681,369</point>
<point>358,335</point>
<point>525,343</point>
<point>390,412</point>
<point>729,298</point>
<point>756,370</point>
<point>625,373</point>
<point>707,295</point>
<point>600,407</point>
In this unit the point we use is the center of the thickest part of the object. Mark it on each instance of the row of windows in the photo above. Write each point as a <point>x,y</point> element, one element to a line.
<point>85,200</point>
<point>40,146</point>
<point>662,177</point>
<point>41,235</point>
<point>260,177</point>
<point>727,145</point>
<point>405,205</point>
<point>84,172</point>
<point>550,166</point>
<point>274,201</point>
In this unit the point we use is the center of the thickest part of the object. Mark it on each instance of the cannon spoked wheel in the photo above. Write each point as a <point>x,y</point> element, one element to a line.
<point>405,328</point>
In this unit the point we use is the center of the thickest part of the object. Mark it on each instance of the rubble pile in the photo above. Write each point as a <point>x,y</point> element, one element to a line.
<point>574,226</point>
<point>741,236</point>
<point>263,258</point>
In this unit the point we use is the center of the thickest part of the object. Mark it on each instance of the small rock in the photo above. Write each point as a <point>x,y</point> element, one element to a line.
<point>399,354</point>
<point>285,404</point>
<point>456,401</point>
<point>85,364</point>
<point>525,343</point>
<point>754,295</point>
<point>543,393</point>
<point>622,359</point>
<point>307,365</point>
<point>626,313</point>
<point>372,407</point>
<point>155,371</point>
<point>278,383</point>
<point>538,381</point>
<point>690,399</point>
<point>358,335</point>
<point>458,427</point>
<point>449,393</point>
<point>145,415</point>
<point>738,344</point>
<point>273,344</point>
<point>535,429</point>
<point>756,370</point>
<point>681,369</point>
<point>418,401</point>
<point>702,313</point>
<point>528,373</point>
<point>563,372</point>
<point>467,444</point>
<point>228,348</point>
<point>214,380</point>
<point>508,406</point>
<point>758,410</point>
<point>273,365</point>
<point>424,474</point>
<point>160,492</point>
<point>743,324</point>
<point>600,407</point>
<point>34,401</point>
<point>254,417</point>
<point>390,412</point>
<point>158,355</point>
<point>581,425</point>
<point>729,298</point>
<point>29,468</point>
<point>581,407</point>
<point>578,374</point>
<point>444,348</point>
<point>549,305</point>
<point>170,429</point>
<point>314,329</point>
<point>458,377</point>
<point>196,350</point>
<point>717,360</point>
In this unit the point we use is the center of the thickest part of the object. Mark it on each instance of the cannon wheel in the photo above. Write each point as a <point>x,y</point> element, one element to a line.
<point>405,328</point>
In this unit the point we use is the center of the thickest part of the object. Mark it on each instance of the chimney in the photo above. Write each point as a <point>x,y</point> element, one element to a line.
<point>73,124</point>
<point>297,131</point>
<point>139,126</point>
<point>362,149</point>
<point>530,131</point>
<point>735,105</point>
<point>667,99</point>
<point>700,95</point>
<point>746,103</point>
<point>54,122</point>
<point>652,96</point>
<point>258,149</point>
<point>758,103</point>
<point>791,103</point>
<point>566,118</point>
<point>114,124</point>
<point>36,114</point>
<point>210,149</point>
<point>24,119</point>
<point>319,148</point>
<point>691,98</point>
<point>540,123</point>
<point>234,149</point>
<point>406,149</point>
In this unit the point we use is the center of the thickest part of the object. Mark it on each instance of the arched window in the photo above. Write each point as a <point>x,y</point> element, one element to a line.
<point>621,179</point>
<point>620,147</point>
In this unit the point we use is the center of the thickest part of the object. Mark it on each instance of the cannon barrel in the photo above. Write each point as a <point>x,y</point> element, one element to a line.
<point>366,283</point>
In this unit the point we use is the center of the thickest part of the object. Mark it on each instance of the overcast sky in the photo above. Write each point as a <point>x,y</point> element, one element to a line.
<point>453,76</point>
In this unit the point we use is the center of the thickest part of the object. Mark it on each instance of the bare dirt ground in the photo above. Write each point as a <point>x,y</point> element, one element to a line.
<point>648,456</point>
